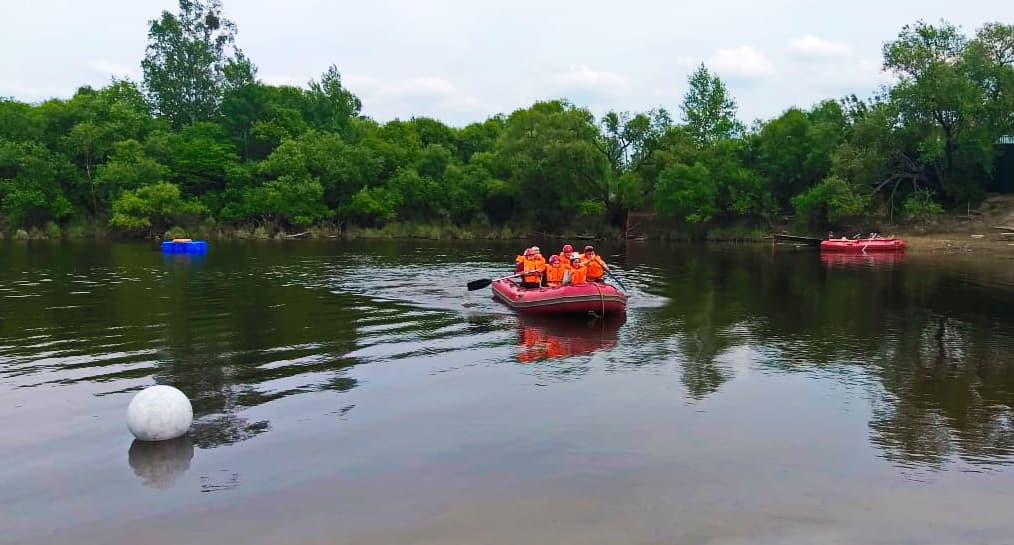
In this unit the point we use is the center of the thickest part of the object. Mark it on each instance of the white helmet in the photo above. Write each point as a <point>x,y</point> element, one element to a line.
<point>535,249</point>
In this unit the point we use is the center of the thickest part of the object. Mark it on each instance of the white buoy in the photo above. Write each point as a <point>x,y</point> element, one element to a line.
<point>158,413</point>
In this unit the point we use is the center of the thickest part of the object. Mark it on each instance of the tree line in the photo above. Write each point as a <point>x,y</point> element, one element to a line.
<point>201,143</point>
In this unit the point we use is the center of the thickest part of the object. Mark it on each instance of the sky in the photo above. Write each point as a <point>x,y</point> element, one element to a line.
<point>463,61</point>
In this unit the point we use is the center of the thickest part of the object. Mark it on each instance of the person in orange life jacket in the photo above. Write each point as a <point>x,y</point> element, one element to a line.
<point>565,253</point>
<point>578,272</point>
<point>520,260</point>
<point>538,255</point>
<point>596,266</point>
<point>533,267</point>
<point>555,271</point>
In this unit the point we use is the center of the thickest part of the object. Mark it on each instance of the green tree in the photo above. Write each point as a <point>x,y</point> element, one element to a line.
<point>830,202</point>
<point>794,150</point>
<point>200,157</point>
<point>708,110</point>
<point>552,158</point>
<point>185,65</point>
<point>937,97</point>
<point>687,192</point>
<point>19,122</point>
<point>372,206</point>
<point>289,200</point>
<point>259,117</point>
<point>128,168</point>
<point>153,209</point>
<point>331,105</point>
<point>479,137</point>
<point>33,183</point>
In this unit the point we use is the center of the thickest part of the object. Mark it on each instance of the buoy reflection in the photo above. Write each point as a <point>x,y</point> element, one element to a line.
<point>558,337</point>
<point>159,463</point>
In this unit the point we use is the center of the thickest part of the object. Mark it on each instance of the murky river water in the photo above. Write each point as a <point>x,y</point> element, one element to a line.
<point>357,393</point>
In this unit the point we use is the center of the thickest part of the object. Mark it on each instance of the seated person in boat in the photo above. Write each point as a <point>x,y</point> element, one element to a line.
<point>520,259</point>
<point>533,265</point>
<point>596,266</point>
<point>538,255</point>
<point>577,273</point>
<point>555,271</point>
<point>565,254</point>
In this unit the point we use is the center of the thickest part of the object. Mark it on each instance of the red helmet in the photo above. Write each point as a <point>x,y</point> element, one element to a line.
<point>567,248</point>
<point>529,251</point>
<point>554,258</point>
<point>589,248</point>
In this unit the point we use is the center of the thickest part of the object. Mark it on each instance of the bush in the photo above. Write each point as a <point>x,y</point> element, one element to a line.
<point>21,234</point>
<point>920,206</point>
<point>76,231</point>
<point>829,202</point>
<point>154,206</point>
<point>52,231</point>
<point>175,232</point>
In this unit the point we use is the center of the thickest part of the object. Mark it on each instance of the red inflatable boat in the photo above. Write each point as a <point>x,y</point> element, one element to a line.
<point>863,245</point>
<point>593,297</point>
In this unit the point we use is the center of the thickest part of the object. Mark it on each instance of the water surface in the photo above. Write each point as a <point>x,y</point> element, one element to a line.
<point>357,393</point>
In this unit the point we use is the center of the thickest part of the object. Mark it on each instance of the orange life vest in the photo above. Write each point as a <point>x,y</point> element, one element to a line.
<point>596,267</point>
<point>554,275</point>
<point>578,275</point>
<point>535,266</point>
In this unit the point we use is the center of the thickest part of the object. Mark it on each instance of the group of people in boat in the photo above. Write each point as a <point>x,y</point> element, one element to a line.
<point>567,267</point>
<point>858,236</point>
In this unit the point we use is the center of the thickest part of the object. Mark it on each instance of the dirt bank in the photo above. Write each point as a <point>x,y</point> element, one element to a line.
<point>976,231</point>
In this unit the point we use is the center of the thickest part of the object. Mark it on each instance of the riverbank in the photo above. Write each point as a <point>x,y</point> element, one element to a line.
<point>972,232</point>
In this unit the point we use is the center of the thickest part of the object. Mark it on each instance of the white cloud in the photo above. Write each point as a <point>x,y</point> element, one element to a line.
<point>813,47</point>
<point>112,68</point>
<point>428,86</point>
<point>743,63</point>
<point>578,77</point>
<point>415,87</point>
<point>432,96</point>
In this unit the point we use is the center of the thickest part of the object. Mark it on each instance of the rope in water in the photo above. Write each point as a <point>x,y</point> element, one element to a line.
<point>602,298</point>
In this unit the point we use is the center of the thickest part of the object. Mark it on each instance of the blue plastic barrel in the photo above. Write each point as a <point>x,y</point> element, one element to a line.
<point>189,247</point>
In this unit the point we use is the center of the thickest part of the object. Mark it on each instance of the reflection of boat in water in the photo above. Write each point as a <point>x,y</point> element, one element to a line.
<point>545,338</point>
<point>593,297</point>
<point>859,260</point>
<point>160,463</point>
<point>863,245</point>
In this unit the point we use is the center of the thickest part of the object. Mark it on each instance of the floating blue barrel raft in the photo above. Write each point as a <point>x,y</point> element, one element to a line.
<point>184,246</point>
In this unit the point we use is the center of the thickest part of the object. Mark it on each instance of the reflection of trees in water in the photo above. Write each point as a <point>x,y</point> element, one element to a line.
<point>704,311</point>
<point>939,345</point>
<point>223,334</point>
<point>257,341</point>
<point>949,386</point>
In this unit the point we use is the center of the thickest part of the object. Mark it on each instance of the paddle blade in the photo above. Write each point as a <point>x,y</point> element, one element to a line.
<point>479,284</point>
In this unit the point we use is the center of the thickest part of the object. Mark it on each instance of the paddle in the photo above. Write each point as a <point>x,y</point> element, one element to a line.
<point>479,284</point>
<point>617,280</point>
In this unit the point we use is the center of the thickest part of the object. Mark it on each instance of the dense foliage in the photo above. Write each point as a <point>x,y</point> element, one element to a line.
<point>201,142</point>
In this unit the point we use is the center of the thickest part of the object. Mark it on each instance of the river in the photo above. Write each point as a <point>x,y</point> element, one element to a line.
<point>355,392</point>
